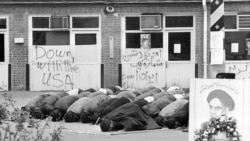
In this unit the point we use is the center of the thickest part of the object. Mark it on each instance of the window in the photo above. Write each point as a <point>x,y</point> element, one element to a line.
<point>52,22</point>
<point>3,27</point>
<point>3,24</point>
<point>136,37</point>
<point>237,36</point>
<point>133,40</point>
<point>230,21</point>
<point>236,45</point>
<point>40,22</point>
<point>179,46</point>
<point>132,23</point>
<point>50,37</point>
<point>85,39</point>
<point>54,30</point>
<point>178,21</point>
<point>85,22</point>
<point>60,22</point>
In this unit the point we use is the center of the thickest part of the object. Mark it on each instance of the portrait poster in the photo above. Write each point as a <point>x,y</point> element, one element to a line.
<point>232,95</point>
<point>145,41</point>
<point>248,45</point>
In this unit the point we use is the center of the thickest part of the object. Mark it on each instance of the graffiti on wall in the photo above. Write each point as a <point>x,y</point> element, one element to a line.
<point>240,70</point>
<point>55,67</point>
<point>3,76</point>
<point>142,68</point>
<point>3,86</point>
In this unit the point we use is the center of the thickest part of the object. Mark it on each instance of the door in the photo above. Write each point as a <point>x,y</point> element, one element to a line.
<point>64,57</point>
<point>180,66</point>
<point>142,60</point>
<point>86,48</point>
<point>3,62</point>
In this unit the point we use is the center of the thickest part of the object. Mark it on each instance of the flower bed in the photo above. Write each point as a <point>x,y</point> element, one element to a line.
<point>221,129</point>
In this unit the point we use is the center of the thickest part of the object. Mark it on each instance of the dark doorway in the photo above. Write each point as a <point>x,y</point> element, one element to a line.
<point>2,52</point>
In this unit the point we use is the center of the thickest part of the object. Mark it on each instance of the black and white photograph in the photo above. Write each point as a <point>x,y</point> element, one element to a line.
<point>119,70</point>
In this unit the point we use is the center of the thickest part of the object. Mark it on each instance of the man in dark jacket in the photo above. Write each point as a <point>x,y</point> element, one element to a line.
<point>61,107</point>
<point>91,107</point>
<point>154,108</point>
<point>41,106</point>
<point>174,115</point>
<point>107,107</point>
<point>129,117</point>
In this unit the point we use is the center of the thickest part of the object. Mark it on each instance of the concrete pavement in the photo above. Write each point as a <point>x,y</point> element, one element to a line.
<point>71,132</point>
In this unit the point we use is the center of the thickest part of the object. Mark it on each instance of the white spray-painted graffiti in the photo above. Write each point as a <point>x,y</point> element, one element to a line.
<point>142,68</point>
<point>3,86</point>
<point>55,64</point>
<point>3,76</point>
<point>240,70</point>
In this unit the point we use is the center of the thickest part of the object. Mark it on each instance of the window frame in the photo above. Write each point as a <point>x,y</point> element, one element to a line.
<point>234,30</point>
<point>85,29</point>
<point>70,29</point>
<point>2,18</point>
<point>40,17</point>
<point>178,15</point>
<point>140,32</point>
<point>52,31</point>
<point>31,29</point>
<point>192,45</point>
<point>176,32</point>
<point>164,31</point>
<point>98,42</point>
<point>76,34</point>
<point>192,31</point>
<point>237,23</point>
<point>5,31</point>
<point>39,29</point>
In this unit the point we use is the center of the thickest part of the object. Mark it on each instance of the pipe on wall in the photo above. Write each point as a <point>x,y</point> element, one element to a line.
<point>204,38</point>
<point>94,2</point>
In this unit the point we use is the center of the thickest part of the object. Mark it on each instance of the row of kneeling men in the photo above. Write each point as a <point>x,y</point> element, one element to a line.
<point>115,108</point>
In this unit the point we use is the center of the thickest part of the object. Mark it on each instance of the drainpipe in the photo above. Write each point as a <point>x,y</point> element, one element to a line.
<point>204,38</point>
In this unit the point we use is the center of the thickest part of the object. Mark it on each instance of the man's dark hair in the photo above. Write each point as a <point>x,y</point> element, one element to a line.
<point>71,117</point>
<point>85,117</point>
<point>160,121</point>
<point>37,113</point>
<point>56,115</point>
<point>105,125</point>
<point>224,97</point>
<point>170,124</point>
<point>47,108</point>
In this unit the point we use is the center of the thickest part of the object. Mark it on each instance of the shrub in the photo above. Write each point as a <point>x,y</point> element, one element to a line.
<point>17,125</point>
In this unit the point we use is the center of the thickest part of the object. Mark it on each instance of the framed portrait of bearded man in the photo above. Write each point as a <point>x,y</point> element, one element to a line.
<point>219,110</point>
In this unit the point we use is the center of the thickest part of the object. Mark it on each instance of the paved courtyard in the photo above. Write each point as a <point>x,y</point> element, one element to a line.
<point>80,132</point>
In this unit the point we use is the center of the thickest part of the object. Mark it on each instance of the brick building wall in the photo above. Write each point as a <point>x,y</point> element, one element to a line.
<point>111,65</point>
<point>18,53</point>
<point>110,26</point>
